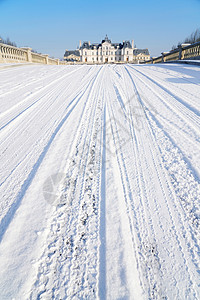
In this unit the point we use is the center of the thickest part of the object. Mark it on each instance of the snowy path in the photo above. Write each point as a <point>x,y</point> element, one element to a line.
<point>100,182</point>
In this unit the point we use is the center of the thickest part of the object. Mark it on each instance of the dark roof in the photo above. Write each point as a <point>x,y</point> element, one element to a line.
<point>117,45</point>
<point>106,40</point>
<point>69,52</point>
<point>85,45</point>
<point>142,51</point>
<point>125,44</point>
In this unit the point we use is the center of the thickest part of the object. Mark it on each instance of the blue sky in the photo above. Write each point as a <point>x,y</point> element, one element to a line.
<point>51,26</point>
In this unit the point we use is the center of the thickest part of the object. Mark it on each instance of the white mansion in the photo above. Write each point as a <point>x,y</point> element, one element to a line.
<point>107,52</point>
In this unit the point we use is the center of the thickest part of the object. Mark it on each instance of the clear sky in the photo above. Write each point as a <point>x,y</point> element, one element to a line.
<point>51,26</point>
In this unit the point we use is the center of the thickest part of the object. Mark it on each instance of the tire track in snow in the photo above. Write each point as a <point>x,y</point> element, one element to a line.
<point>134,231</point>
<point>50,254</point>
<point>84,192</point>
<point>175,89</point>
<point>102,218</point>
<point>53,95</point>
<point>178,124</point>
<point>179,106</point>
<point>135,224</point>
<point>188,134</point>
<point>178,236</point>
<point>14,90</point>
<point>8,217</point>
<point>190,209</point>
<point>166,72</point>
<point>16,134</point>
<point>57,93</point>
<point>153,294</point>
<point>45,90</point>
<point>143,226</point>
<point>74,225</point>
<point>146,170</point>
<point>190,244</point>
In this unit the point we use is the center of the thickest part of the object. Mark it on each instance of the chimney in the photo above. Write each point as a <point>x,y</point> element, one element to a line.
<point>132,44</point>
<point>89,43</point>
<point>80,44</point>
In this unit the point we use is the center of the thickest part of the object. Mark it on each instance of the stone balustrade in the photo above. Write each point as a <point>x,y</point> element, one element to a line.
<point>157,60</point>
<point>185,51</point>
<point>171,56</point>
<point>191,52</point>
<point>10,54</point>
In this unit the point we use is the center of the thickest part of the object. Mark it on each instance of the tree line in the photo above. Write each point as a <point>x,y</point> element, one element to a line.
<point>7,42</point>
<point>193,38</point>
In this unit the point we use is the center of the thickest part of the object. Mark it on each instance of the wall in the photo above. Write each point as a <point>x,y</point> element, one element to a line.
<point>190,52</point>
<point>10,54</point>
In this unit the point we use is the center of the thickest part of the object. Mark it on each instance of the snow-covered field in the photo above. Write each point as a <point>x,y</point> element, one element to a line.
<point>100,182</point>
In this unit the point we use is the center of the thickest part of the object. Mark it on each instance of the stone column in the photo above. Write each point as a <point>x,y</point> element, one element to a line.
<point>164,56</point>
<point>1,59</point>
<point>28,52</point>
<point>180,52</point>
<point>153,59</point>
<point>46,58</point>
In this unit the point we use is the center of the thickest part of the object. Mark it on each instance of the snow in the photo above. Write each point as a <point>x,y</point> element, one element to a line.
<point>100,182</point>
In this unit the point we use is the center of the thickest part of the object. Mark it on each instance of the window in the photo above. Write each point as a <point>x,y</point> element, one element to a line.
<point>85,53</point>
<point>127,52</point>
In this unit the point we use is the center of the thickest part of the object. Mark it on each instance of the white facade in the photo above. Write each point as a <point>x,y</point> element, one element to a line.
<point>107,52</point>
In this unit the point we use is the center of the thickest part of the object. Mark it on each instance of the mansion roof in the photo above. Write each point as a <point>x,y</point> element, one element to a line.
<point>141,51</point>
<point>87,45</point>
<point>69,52</point>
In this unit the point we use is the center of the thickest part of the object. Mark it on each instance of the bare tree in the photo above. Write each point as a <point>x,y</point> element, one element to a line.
<point>7,42</point>
<point>193,38</point>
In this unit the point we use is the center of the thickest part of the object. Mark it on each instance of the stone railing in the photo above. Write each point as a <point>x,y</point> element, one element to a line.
<point>185,51</point>
<point>191,52</point>
<point>10,54</point>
